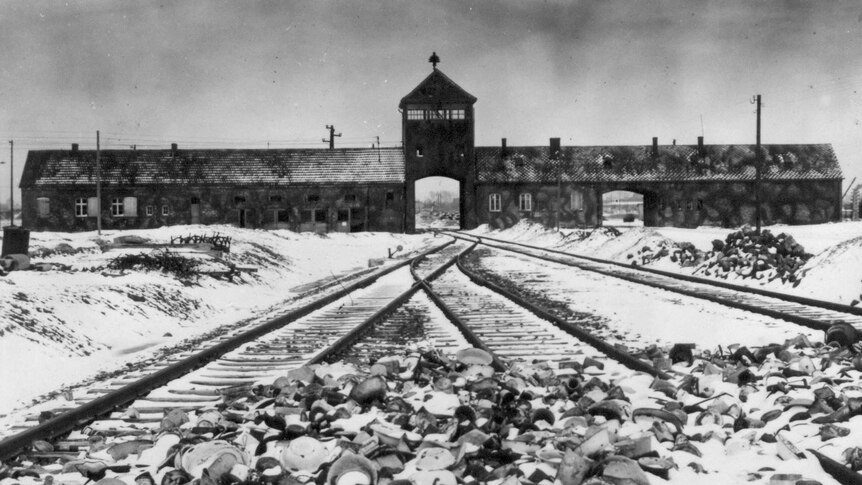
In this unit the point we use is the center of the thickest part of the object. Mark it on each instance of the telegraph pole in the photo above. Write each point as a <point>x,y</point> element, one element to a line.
<point>11,183</point>
<point>757,163</point>
<point>98,187</point>
<point>332,136</point>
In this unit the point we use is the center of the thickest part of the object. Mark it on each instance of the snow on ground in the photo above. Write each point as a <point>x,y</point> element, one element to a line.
<point>60,326</point>
<point>834,274</point>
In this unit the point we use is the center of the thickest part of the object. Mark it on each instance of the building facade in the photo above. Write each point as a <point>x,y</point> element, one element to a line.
<point>350,190</point>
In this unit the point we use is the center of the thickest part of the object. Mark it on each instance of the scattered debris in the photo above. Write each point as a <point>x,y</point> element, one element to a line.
<point>165,260</point>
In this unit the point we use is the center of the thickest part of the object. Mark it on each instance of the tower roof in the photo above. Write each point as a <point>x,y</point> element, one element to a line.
<point>437,88</point>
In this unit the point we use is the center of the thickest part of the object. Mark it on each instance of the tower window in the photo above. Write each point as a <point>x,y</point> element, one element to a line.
<point>415,114</point>
<point>457,114</point>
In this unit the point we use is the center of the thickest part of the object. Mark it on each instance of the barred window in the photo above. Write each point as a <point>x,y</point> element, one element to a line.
<point>81,207</point>
<point>494,203</point>
<point>525,202</point>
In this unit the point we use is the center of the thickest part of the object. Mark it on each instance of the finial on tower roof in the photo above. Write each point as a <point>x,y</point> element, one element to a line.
<point>434,60</point>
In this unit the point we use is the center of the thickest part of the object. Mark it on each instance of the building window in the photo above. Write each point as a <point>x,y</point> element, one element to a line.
<point>350,198</point>
<point>312,198</point>
<point>239,199</point>
<point>166,210</point>
<point>661,204</point>
<point>117,207</point>
<point>415,114</point>
<point>700,204</point>
<point>81,207</point>
<point>43,206</point>
<point>130,207</point>
<point>390,198</point>
<point>280,215</point>
<point>577,200</point>
<point>494,203</point>
<point>689,205</point>
<point>275,198</point>
<point>457,114</point>
<point>420,152</point>
<point>525,202</point>
<point>150,210</point>
<point>195,200</point>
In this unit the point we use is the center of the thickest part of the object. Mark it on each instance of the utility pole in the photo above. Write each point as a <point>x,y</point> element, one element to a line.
<point>332,136</point>
<point>757,163</point>
<point>11,183</point>
<point>98,186</point>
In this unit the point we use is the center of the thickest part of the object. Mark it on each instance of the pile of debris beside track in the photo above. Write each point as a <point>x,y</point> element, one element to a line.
<point>733,415</point>
<point>742,254</point>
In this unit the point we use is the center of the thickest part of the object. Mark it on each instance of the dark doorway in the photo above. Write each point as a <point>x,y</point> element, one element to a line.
<point>243,214</point>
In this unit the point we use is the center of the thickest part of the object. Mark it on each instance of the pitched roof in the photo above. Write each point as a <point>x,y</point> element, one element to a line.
<point>674,163</point>
<point>437,88</point>
<point>215,167</point>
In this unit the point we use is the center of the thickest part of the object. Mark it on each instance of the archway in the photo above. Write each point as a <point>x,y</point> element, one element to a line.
<point>623,208</point>
<point>437,203</point>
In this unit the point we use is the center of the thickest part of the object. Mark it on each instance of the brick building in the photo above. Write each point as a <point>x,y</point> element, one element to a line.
<point>374,189</point>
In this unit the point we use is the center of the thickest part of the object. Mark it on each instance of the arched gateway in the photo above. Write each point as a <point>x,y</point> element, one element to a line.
<point>437,129</point>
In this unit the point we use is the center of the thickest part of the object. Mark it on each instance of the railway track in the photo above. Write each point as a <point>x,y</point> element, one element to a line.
<point>839,321</point>
<point>334,327</point>
<point>438,302</point>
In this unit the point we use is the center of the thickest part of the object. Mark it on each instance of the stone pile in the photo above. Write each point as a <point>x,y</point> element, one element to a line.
<point>748,255</point>
<point>734,415</point>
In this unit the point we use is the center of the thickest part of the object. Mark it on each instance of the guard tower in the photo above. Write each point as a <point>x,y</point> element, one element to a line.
<point>437,125</point>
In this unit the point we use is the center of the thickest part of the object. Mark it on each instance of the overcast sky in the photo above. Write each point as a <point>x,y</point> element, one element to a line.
<point>245,73</point>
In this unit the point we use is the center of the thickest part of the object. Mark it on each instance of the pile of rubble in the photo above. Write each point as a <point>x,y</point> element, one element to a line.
<point>732,416</point>
<point>749,255</point>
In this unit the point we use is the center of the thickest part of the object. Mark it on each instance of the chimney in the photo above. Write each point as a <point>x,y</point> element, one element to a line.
<point>555,148</point>
<point>700,146</point>
<point>503,150</point>
<point>173,149</point>
<point>74,148</point>
<point>674,142</point>
<point>655,146</point>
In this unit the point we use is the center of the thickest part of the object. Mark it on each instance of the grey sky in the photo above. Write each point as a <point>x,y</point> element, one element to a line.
<point>227,73</point>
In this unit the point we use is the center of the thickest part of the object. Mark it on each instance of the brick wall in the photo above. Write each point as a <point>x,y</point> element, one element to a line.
<point>336,208</point>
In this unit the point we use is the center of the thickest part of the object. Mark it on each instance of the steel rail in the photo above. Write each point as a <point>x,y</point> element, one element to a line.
<point>797,319</point>
<point>469,335</point>
<point>826,305</point>
<point>623,358</point>
<point>68,421</point>
<point>573,329</point>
